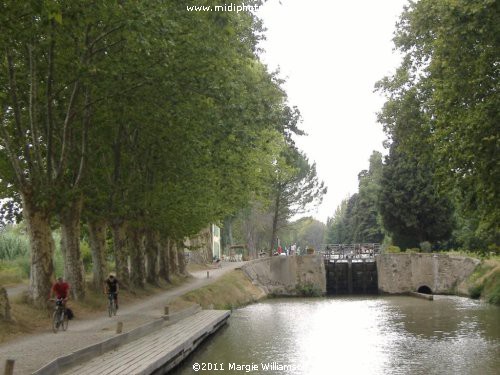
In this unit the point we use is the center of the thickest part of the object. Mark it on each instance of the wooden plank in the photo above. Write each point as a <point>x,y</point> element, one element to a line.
<point>130,352</point>
<point>166,345</point>
<point>127,351</point>
<point>160,347</point>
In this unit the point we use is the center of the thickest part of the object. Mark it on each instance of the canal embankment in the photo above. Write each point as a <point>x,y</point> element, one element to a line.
<point>260,278</point>
<point>402,273</point>
<point>484,282</point>
<point>234,289</point>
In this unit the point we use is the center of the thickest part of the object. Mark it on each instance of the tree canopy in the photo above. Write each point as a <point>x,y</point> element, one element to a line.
<point>140,115</point>
<point>439,182</point>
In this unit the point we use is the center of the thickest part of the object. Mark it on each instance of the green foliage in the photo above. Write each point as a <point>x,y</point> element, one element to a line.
<point>13,244</point>
<point>308,290</point>
<point>475,291</point>
<point>392,249</point>
<point>411,207</point>
<point>305,232</point>
<point>24,266</point>
<point>295,187</point>
<point>337,231</point>
<point>413,250</point>
<point>426,246</point>
<point>442,107</point>
<point>485,281</point>
<point>160,118</point>
<point>11,272</point>
<point>357,219</point>
<point>86,255</point>
<point>494,294</point>
<point>14,255</point>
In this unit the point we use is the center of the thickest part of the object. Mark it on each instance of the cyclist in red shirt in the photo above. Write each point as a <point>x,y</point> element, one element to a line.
<point>61,290</point>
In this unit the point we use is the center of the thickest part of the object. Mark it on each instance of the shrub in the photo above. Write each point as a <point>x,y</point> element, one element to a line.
<point>392,249</point>
<point>476,290</point>
<point>24,266</point>
<point>413,250</point>
<point>494,296</point>
<point>426,246</point>
<point>308,290</point>
<point>13,244</point>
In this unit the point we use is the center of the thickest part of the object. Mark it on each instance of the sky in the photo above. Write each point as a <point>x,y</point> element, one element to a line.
<point>331,53</point>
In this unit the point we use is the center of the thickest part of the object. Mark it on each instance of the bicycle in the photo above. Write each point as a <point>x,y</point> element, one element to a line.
<point>111,304</point>
<point>59,317</point>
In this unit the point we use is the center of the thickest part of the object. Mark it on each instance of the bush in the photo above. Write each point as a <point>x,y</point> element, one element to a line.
<point>13,244</point>
<point>426,246</point>
<point>475,291</point>
<point>413,250</point>
<point>308,290</point>
<point>392,249</point>
<point>494,296</point>
<point>24,266</point>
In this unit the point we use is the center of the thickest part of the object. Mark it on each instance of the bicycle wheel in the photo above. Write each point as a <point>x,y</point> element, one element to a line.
<point>110,307</point>
<point>55,321</point>
<point>64,321</point>
<point>114,307</point>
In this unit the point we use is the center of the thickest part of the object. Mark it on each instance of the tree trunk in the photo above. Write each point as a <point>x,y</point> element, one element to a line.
<point>228,239</point>
<point>152,250</point>
<point>136,251</point>
<point>172,257</point>
<point>42,251</point>
<point>275,224</point>
<point>252,251</point>
<point>97,237</point>
<point>70,247</point>
<point>164,261</point>
<point>120,250</point>
<point>180,258</point>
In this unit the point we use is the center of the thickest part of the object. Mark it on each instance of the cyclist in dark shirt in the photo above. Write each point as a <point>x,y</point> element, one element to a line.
<point>111,286</point>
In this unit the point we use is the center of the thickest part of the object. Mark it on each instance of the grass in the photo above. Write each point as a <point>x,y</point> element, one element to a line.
<point>309,290</point>
<point>28,319</point>
<point>485,281</point>
<point>14,271</point>
<point>232,290</point>
<point>472,254</point>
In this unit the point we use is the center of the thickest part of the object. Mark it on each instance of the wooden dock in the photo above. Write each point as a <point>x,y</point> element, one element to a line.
<point>163,349</point>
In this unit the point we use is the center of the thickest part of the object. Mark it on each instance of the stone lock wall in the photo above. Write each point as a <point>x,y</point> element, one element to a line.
<point>443,274</point>
<point>283,276</point>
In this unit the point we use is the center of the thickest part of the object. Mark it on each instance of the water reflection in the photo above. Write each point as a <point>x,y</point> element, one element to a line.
<point>360,335</point>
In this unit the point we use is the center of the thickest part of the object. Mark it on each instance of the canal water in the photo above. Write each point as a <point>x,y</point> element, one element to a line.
<point>355,335</point>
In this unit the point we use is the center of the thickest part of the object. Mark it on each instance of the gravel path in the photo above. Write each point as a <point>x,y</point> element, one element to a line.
<point>33,351</point>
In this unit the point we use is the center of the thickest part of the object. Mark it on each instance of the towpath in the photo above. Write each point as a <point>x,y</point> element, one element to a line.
<point>33,351</point>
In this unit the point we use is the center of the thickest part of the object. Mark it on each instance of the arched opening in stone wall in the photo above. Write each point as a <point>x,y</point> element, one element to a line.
<point>424,289</point>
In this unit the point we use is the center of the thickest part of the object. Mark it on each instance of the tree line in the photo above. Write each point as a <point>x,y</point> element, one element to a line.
<point>439,181</point>
<point>141,120</point>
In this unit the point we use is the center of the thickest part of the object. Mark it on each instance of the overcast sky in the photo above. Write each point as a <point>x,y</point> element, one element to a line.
<point>331,52</point>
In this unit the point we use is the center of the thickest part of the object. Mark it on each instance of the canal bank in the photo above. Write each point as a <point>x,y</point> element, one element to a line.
<point>397,274</point>
<point>302,276</point>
